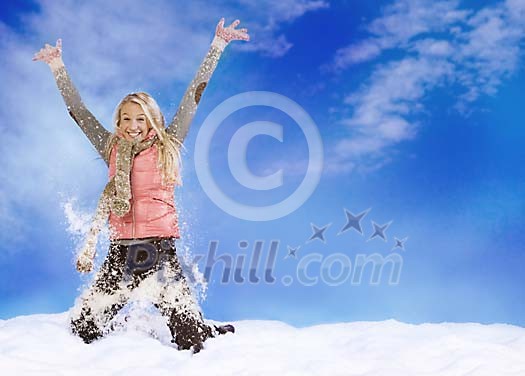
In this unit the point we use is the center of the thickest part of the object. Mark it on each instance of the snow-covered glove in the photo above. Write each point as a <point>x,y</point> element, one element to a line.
<point>52,56</point>
<point>224,35</point>
<point>85,261</point>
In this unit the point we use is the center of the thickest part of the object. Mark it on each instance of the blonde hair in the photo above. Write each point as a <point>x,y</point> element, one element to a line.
<point>169,160</point>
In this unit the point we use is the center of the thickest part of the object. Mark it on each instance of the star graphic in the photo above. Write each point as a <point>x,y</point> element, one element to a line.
<point>379,230</point>
<point>400,243</point>
<point>353,221</point>
<point>292,252</point>
<point>318,232</point>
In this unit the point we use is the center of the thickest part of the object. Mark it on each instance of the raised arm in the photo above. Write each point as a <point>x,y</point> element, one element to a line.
<point>95,132</point>
<point>180,124</point>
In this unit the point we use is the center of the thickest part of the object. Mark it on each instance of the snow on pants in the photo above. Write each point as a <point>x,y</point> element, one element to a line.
<point>153,267</point>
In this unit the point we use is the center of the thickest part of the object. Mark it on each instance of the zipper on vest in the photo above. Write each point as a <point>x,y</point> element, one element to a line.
<point>133,221</point>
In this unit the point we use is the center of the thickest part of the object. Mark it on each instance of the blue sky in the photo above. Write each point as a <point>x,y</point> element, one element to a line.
<point>418,106</point>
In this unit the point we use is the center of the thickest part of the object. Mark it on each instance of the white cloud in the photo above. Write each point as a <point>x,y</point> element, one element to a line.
<point>275,47</point>
<point>516,10</point>
<point>436,44</point>
<point>358,53</point>
<point>488,52</point>
<point>278,11</point>
<point>383,107</point>
<point>267,38</point>
<point>400,23</point>
<point>405,19</point>
<point>433,48</point>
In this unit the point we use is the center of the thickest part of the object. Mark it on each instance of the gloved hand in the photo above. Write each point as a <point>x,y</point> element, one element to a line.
<point>85,261</point>
<point>224,35</point>
<point>52,56</point>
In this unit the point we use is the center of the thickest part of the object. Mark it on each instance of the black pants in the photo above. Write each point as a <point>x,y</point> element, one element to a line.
<point>127,267</point>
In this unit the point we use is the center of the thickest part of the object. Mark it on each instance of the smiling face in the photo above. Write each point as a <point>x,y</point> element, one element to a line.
<point>133,124</point>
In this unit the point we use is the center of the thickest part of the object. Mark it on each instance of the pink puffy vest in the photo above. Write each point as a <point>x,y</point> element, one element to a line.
<point>153,211</point>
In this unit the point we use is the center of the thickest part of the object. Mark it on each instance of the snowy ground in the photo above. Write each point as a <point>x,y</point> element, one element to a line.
<point>41,345</point>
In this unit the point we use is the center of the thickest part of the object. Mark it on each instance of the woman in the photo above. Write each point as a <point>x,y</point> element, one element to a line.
<point>144,167</point>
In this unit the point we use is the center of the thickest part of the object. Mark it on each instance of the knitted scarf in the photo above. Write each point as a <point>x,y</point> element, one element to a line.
<point>117,193</point>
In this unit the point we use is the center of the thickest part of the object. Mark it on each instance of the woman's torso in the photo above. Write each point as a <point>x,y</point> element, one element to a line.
<point>153,212</point>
